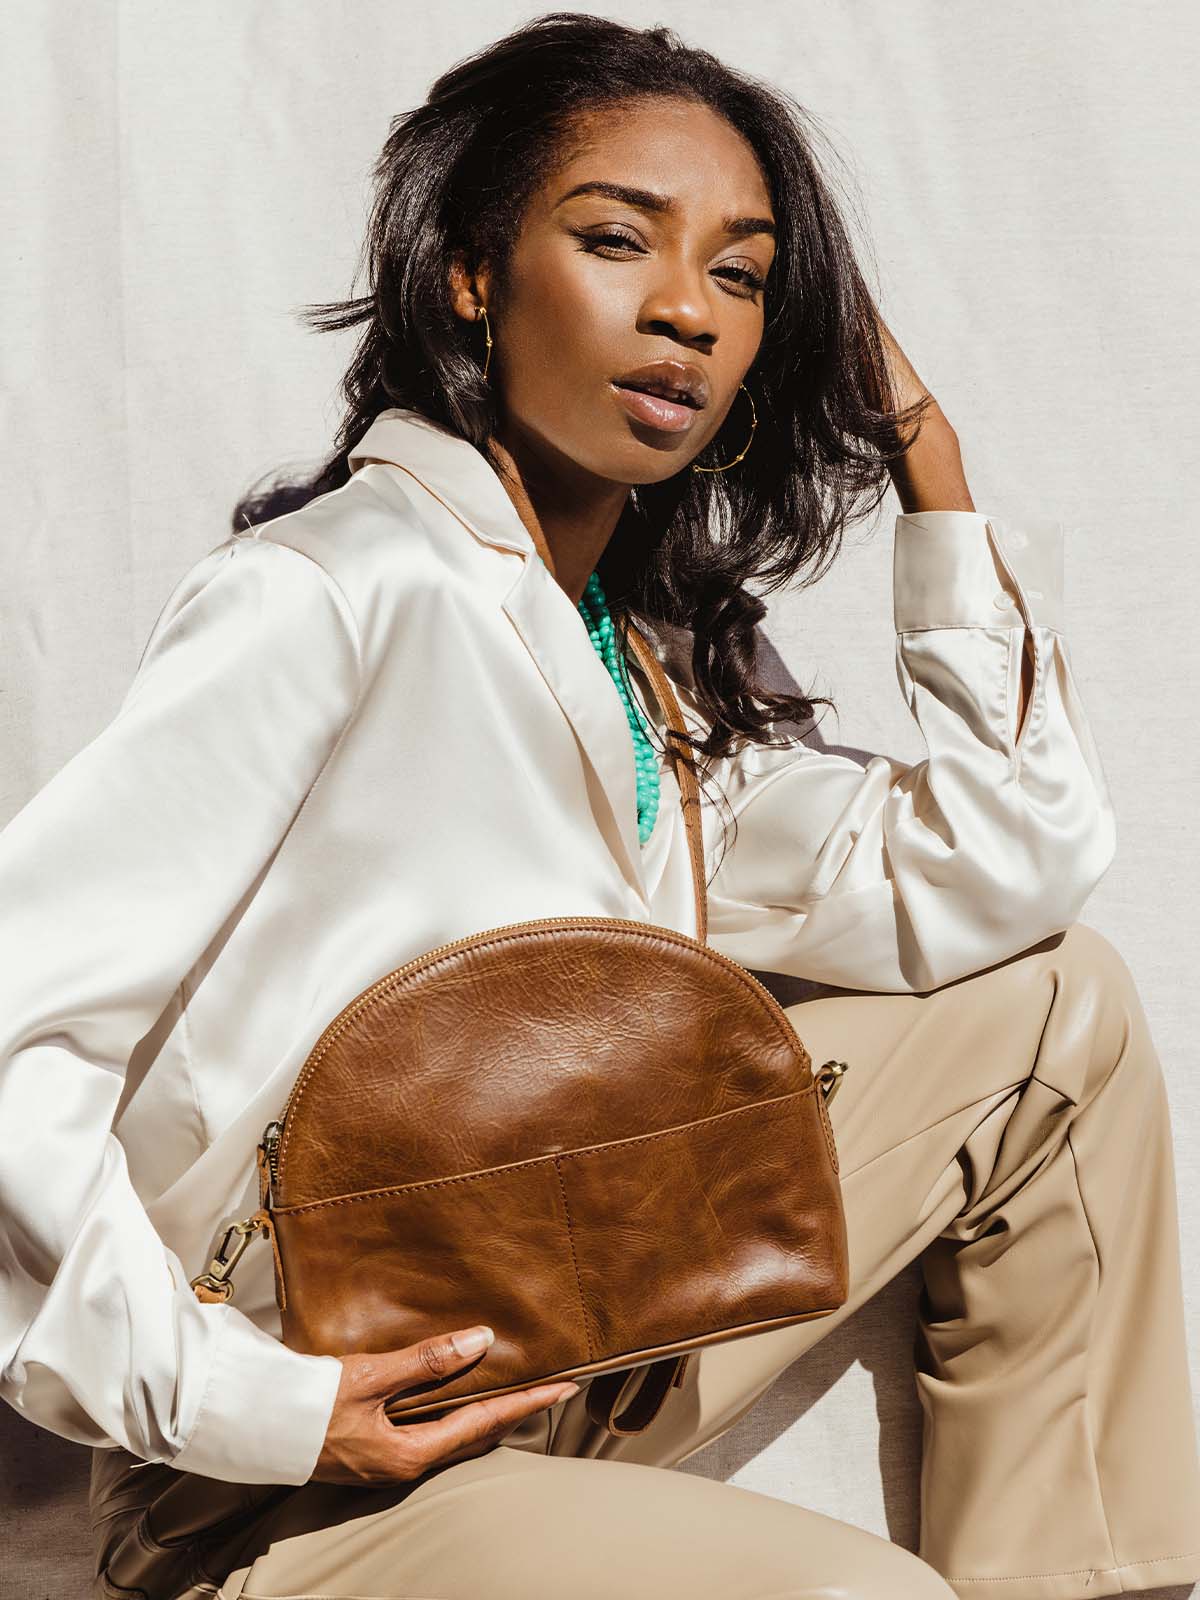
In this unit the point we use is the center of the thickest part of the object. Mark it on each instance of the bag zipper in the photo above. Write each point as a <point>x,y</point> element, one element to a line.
<point>218,1277</point>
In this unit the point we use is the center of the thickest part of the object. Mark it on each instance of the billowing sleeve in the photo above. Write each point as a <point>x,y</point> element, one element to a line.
<point>114,879</point>
<point>889,877</point>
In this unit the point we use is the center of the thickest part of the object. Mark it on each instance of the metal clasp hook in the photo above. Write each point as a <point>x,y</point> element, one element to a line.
<point>217,1278</point>
<point>829,1076</point>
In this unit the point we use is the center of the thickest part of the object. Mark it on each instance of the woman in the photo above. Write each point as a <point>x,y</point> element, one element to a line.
<point>377,721</point>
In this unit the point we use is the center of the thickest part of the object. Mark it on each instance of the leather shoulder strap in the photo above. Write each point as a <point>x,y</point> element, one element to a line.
<point>689,788</point>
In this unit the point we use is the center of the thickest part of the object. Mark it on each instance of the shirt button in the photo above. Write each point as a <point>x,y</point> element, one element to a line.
<point>1016,540</point>
<point>1003,600</point>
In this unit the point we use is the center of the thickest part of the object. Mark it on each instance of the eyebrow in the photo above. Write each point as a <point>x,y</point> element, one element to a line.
<point>661,204</point>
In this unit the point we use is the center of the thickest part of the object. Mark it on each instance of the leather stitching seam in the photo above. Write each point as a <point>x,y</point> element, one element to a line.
<point>827,1130</point>
<point>534,1161</point>
<point>687,1127</point>
<point>1075,1572</point>
<point>583,1313</point>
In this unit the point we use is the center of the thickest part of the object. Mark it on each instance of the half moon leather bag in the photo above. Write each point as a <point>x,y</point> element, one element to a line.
<point>599,1136</point>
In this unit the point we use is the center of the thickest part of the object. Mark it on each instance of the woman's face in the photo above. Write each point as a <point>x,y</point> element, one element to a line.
<point>603,284</point>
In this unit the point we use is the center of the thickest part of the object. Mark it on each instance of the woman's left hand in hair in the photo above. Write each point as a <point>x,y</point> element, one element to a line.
<point>929,475</point>
<point>906,385</point>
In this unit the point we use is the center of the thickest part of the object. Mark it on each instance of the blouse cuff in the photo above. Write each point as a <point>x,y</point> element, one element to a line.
<point>265,1410</point>
<point>962,569</point>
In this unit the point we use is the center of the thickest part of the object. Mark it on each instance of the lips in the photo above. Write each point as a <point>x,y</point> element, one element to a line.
<point>665,395</point>
<point>665,416</point>
<point>678,382</point>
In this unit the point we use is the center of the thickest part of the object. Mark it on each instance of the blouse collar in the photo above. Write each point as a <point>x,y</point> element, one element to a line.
<point>451,468</point>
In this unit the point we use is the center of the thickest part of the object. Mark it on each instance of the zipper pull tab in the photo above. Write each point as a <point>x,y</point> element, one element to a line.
<point>216,1282</point>
<point>829,1077</point>
<point>272,1134</point>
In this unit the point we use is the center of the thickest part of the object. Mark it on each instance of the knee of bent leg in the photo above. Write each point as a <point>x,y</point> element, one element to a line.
<point>1092,960</point>
<point>1101,990</point>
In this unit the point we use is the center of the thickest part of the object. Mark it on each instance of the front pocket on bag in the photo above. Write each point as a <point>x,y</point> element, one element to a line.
<point>389,1267</point>
<point>742,1192</point>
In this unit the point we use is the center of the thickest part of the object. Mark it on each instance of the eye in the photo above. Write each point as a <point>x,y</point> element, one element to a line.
<point>747,275</point>
<point>591,242</point>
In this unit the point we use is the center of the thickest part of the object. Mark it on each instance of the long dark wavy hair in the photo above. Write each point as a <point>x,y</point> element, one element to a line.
<point>457,172</point>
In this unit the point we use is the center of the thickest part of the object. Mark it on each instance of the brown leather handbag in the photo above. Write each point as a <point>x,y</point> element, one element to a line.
<point>597,1135</point>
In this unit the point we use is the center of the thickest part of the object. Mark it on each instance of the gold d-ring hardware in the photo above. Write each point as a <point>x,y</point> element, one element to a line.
<point>829,1075</point>
<point>217,1278</point>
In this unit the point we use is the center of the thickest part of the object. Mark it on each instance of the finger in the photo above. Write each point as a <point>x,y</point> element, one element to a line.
<point>479,1424</point>
<point>431,1360</point>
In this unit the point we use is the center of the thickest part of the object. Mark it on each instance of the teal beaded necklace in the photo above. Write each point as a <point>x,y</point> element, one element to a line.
<point>594,610</point>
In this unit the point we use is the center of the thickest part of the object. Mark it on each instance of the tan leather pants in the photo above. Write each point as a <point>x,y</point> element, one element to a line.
<point>1010,1129</point>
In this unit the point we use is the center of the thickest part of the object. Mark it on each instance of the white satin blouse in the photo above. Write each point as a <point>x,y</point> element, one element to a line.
<point>372,726</point>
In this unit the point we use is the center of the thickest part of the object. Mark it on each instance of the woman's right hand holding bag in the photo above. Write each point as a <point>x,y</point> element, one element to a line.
<point>362,1444</point>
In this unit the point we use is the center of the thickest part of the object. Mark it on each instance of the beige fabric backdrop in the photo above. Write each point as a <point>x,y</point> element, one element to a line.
<point>177,178</point>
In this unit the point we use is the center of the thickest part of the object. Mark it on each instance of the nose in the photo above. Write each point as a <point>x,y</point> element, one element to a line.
<point>678,307</point>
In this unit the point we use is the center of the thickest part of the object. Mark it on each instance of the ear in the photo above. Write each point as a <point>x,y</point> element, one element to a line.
<point>468,291</point>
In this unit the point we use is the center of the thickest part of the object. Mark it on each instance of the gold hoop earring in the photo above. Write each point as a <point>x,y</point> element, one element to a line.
<point>749,441</point>
<point>487,329</point>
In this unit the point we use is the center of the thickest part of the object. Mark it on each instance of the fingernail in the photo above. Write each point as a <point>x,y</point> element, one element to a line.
<point>472,1341</point>
<point>553,1393</point>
